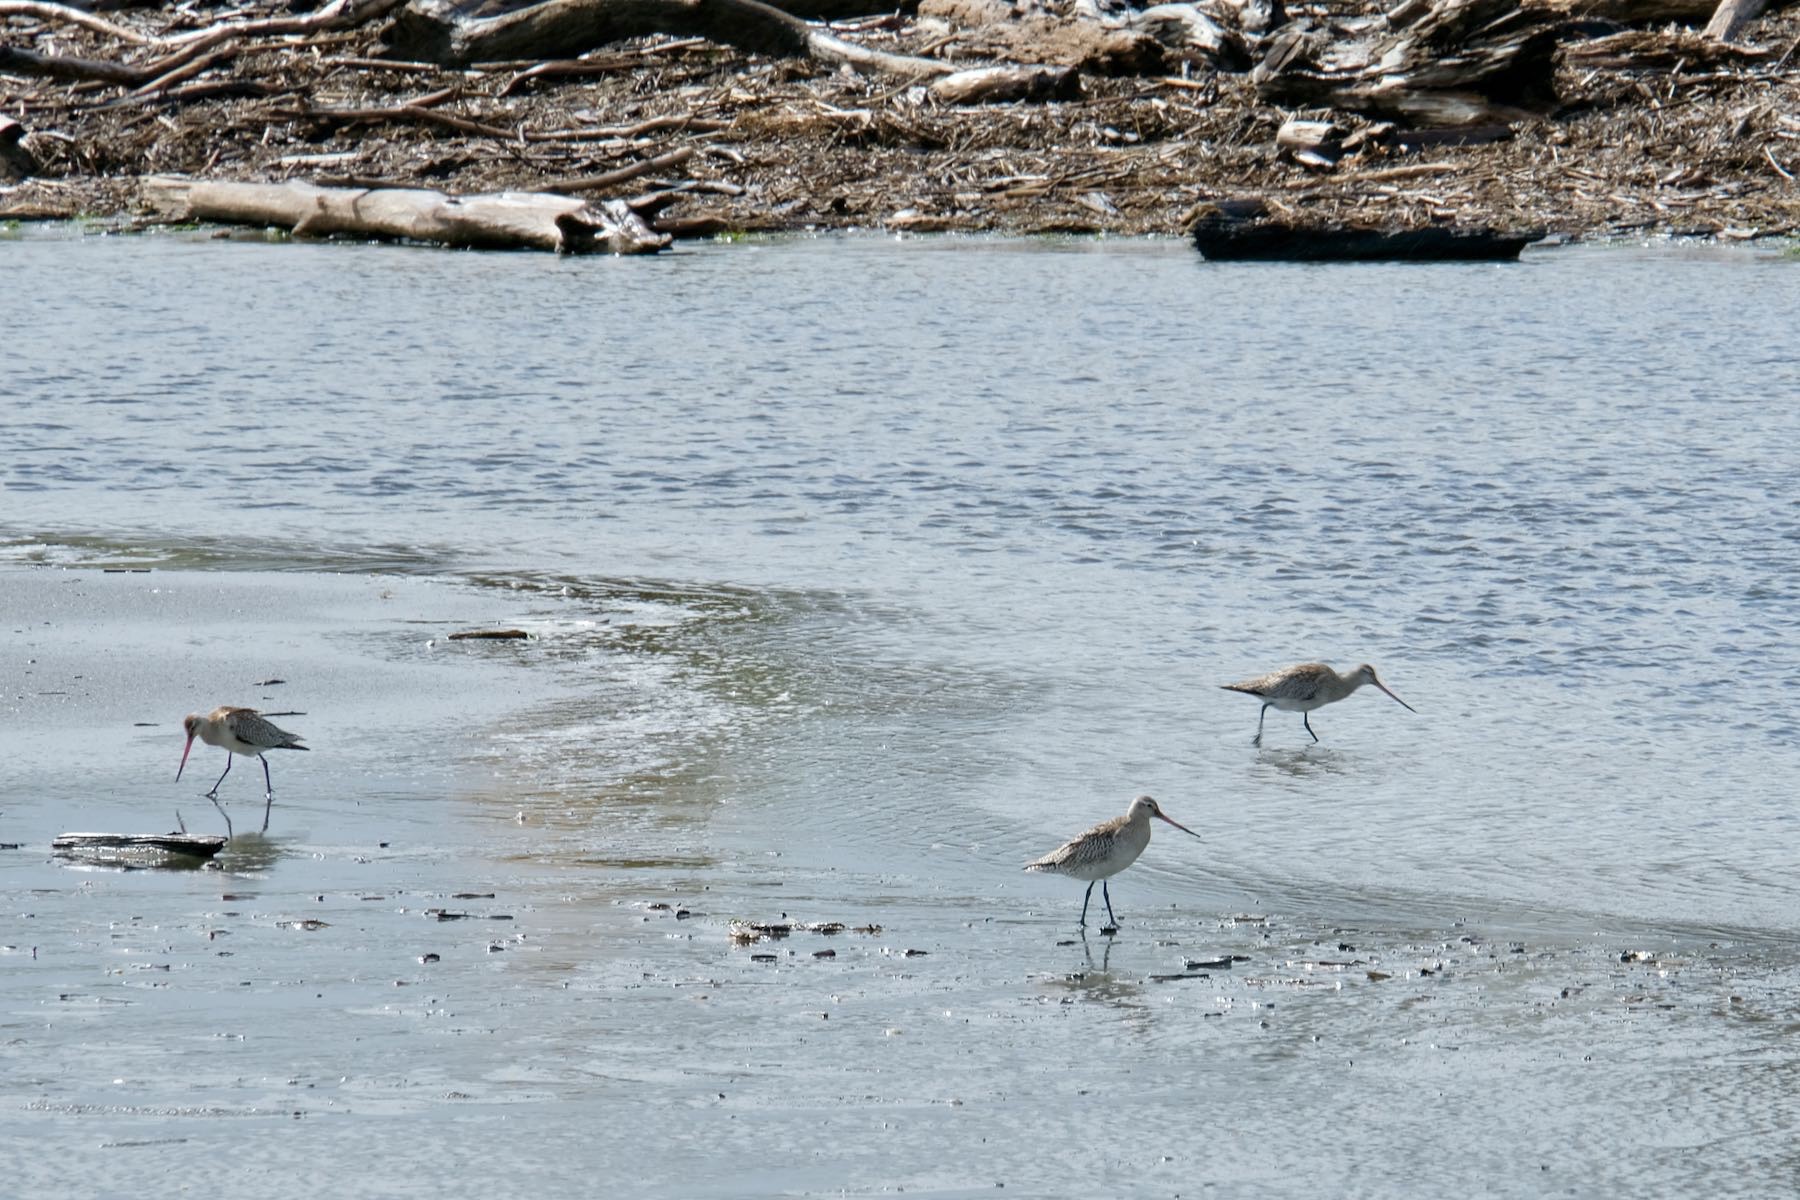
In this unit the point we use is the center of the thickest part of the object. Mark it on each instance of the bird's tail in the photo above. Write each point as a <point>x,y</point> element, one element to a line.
<point>292,746</point>
<point>1245,688</point>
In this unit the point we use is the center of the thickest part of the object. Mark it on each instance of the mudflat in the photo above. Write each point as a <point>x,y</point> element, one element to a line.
<point>455,963</point>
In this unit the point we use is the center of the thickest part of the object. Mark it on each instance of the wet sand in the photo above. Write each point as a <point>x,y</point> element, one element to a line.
<point>457,968</point>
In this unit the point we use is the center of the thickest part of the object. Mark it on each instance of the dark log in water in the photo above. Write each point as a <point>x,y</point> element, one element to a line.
<point>1224,239</point>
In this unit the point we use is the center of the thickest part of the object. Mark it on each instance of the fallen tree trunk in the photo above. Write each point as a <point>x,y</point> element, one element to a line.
<point>433,31</point>
<point>501,220</point>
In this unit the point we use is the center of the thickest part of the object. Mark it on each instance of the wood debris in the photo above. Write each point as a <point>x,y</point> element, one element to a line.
<point>1071,116</point>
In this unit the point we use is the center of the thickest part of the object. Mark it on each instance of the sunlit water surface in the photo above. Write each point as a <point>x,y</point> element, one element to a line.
<point>862,570</point>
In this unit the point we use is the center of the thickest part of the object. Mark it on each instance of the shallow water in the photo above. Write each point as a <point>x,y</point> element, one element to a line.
<point>860,572</point>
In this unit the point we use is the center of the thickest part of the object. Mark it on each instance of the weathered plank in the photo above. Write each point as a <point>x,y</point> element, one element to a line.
<point>191,845</point>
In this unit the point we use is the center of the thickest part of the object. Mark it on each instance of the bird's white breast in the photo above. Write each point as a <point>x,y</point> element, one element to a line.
<point>221,736</point>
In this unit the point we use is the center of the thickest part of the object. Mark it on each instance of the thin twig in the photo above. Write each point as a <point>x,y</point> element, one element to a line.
<point>685,123</point>
<point>588,182</point>
<point>380,64</point>
<point>203,89</point>
<point>1408,172</point>
<point>565,68</point>
<point>185,71</point>
<point>404,112</point>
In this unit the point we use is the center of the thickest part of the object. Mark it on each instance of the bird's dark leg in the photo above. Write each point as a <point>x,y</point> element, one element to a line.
<point>1257,740</point>
<point>268,792</point>
<point>1308,724</point>
<point>1085,897</point>
<point>214,794</point>
<point>1107,896</point>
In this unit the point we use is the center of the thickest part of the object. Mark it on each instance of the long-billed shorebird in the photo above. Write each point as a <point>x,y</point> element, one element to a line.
<point>239,731</point>
<point>1305,687</point>
<point>1105,850</point>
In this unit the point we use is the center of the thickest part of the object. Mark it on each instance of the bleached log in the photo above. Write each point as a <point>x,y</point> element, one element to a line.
<point>1316,144</point>
<point>997,85</point>
<point>501,220</point>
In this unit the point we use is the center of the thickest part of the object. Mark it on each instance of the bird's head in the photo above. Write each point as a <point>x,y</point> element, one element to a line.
<point>1366,674</point>
<point>1143,808</point>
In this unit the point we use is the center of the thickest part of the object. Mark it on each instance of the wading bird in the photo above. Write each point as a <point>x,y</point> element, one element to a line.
<point>1105,850</point>
<point>239,731</point>
<point>1305,687</point>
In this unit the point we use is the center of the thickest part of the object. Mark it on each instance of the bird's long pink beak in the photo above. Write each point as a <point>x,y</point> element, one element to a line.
<point>1180,826</point>
<point>184,754</point>
<point>1403,704</point>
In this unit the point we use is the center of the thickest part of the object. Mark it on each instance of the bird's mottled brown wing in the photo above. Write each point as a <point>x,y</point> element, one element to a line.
<point>1291,683</point>
<point>249,726</point>
<point>1090,845</point>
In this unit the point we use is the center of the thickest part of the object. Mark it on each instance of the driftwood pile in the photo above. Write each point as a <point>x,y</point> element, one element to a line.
<point>614,124</point>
